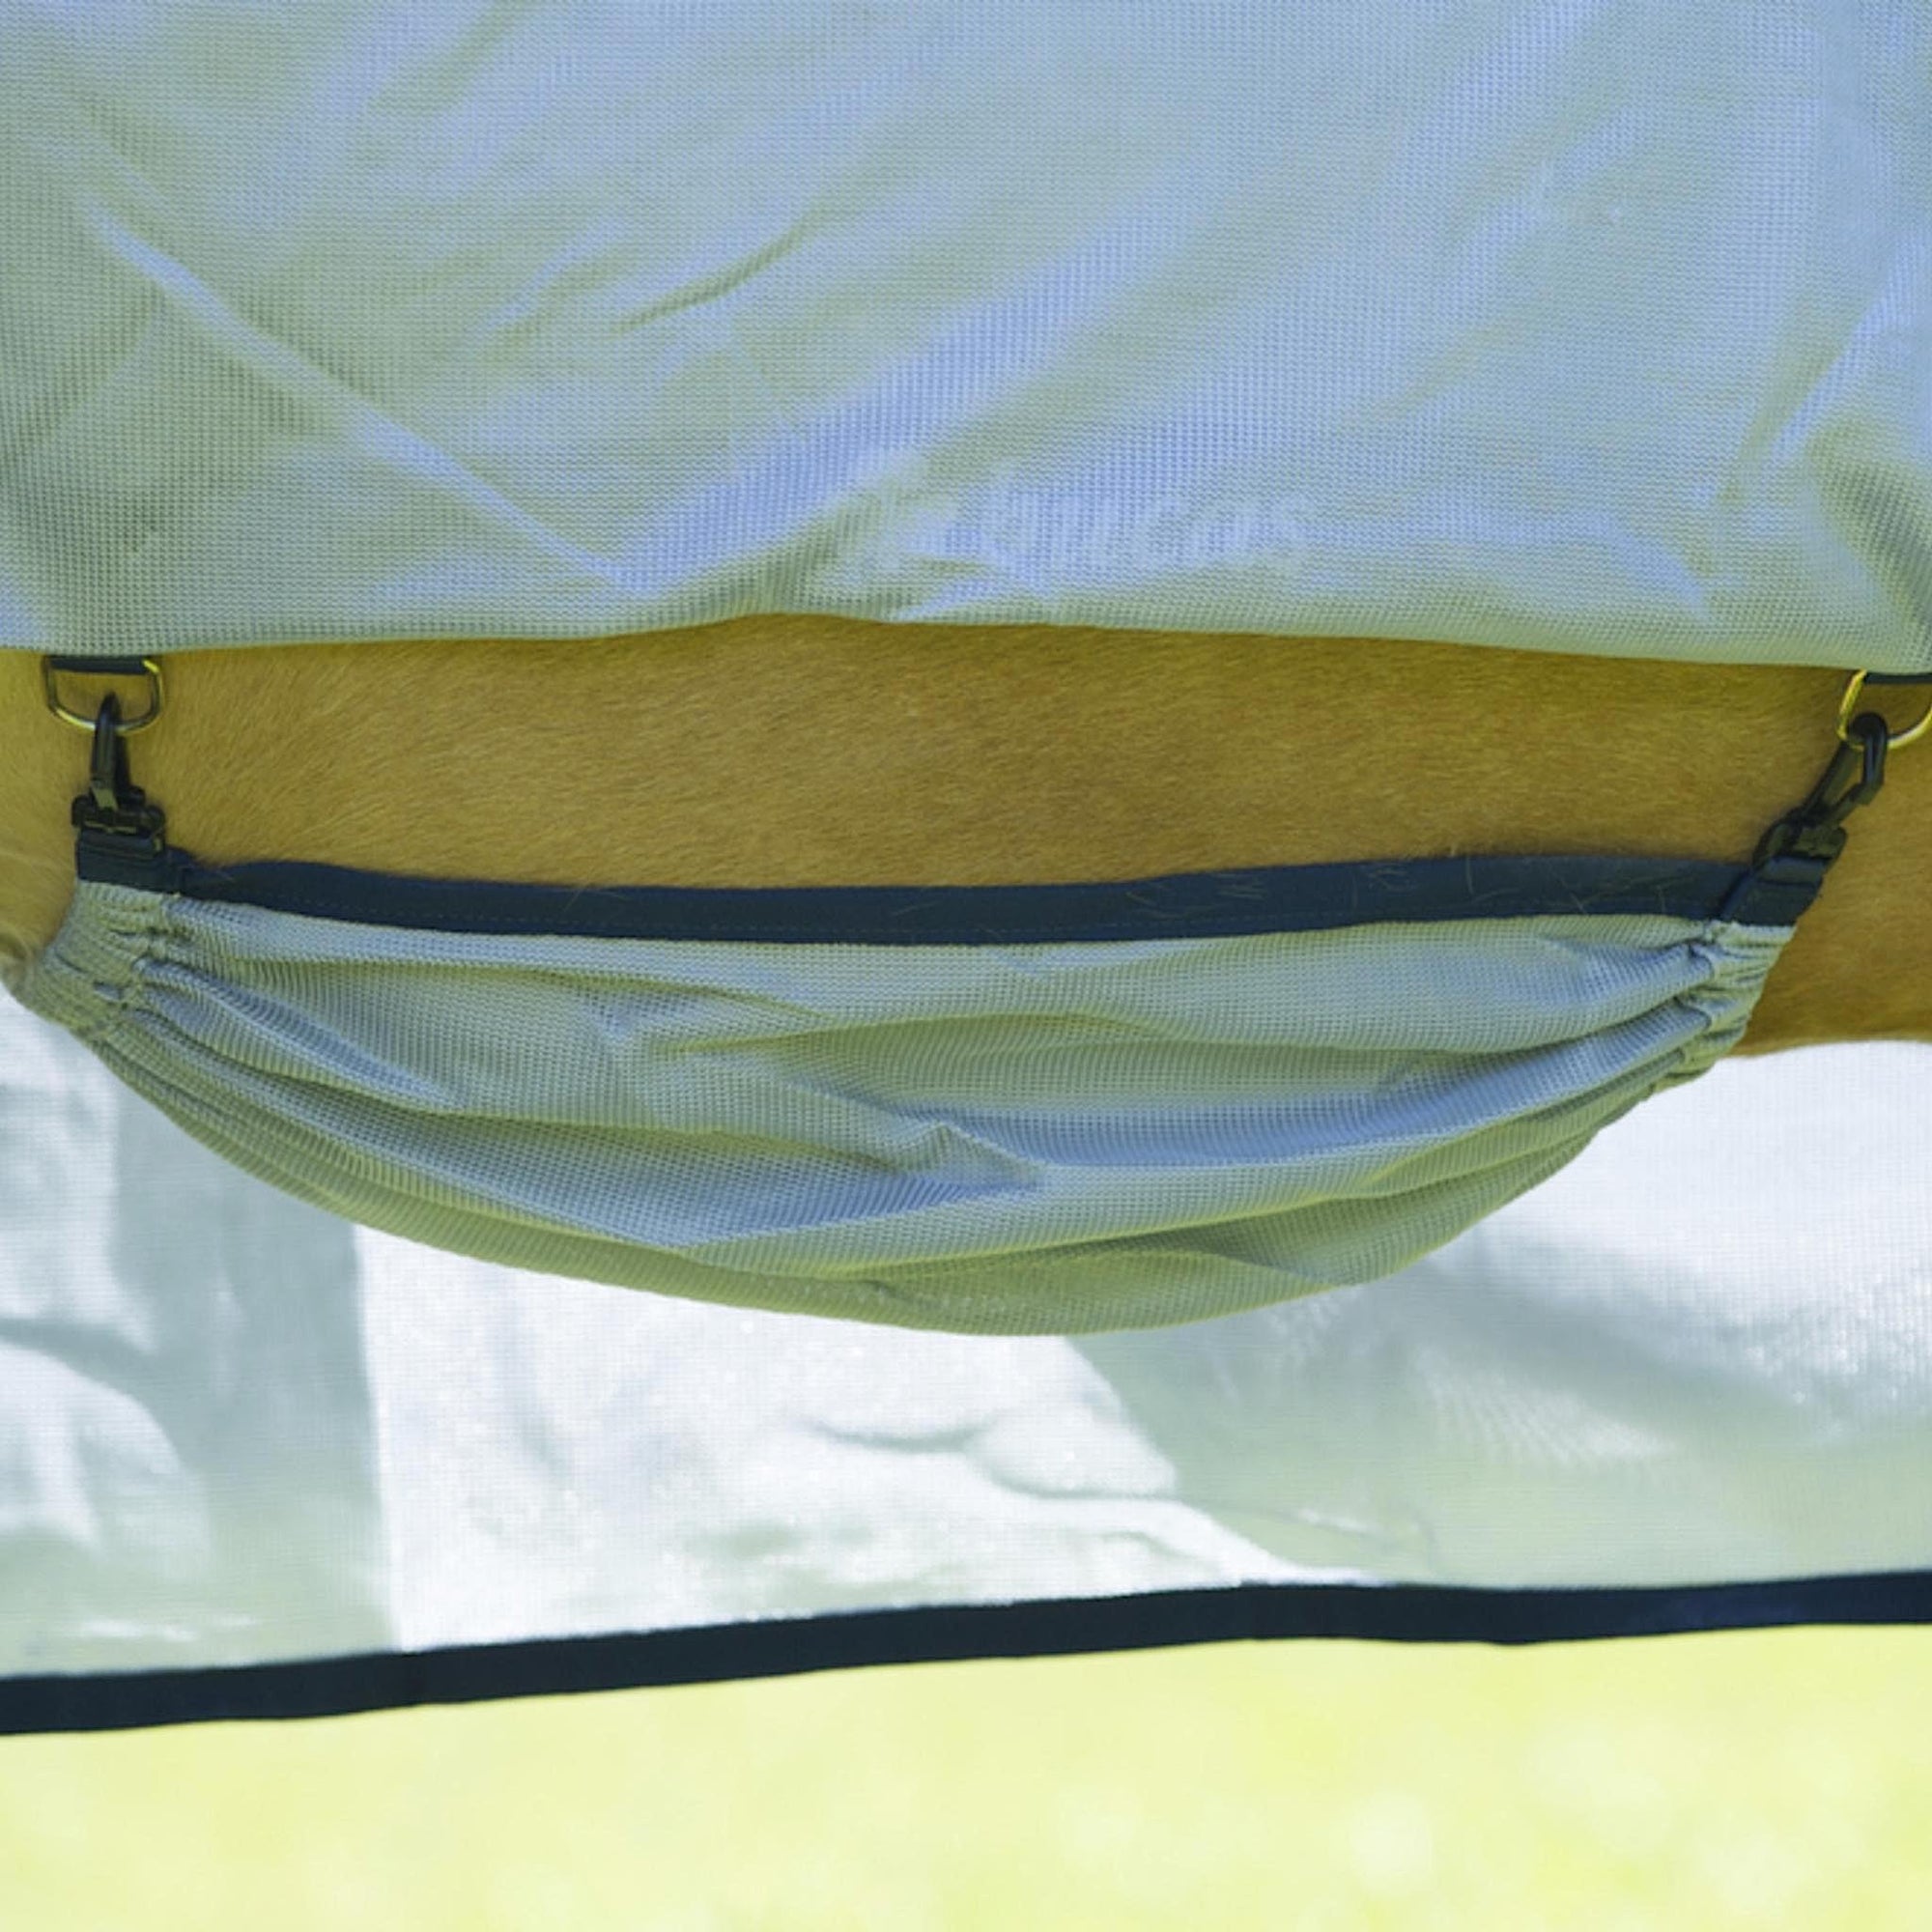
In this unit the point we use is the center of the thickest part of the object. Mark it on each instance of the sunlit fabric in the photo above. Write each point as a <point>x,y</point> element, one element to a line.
<point>1562,326</point>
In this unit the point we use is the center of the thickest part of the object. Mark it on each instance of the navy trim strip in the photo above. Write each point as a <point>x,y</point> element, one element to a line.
<point>857,1640</point>
<point>1178,905</point>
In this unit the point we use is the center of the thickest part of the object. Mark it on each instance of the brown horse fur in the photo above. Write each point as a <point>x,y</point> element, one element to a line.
<point>820,751</point>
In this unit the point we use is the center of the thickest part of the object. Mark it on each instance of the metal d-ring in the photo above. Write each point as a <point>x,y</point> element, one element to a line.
<point>149,668</point>
<point>113,806</point>
<point>1848,704</point>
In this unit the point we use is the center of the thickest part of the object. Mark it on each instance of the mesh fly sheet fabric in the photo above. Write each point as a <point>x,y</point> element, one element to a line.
<point>1555,327</point>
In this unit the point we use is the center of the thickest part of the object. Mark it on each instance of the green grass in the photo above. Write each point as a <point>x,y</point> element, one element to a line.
<point>1761,1778</point>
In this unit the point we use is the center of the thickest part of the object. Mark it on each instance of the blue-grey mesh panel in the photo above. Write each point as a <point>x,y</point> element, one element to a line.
<point>974,1131</point>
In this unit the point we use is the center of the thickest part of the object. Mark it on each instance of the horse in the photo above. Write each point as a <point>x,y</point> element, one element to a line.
<point>807,750</point>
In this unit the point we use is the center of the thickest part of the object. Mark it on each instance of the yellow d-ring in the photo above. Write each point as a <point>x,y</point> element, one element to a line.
<point>111,668</point>
<point>1848,706</point>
